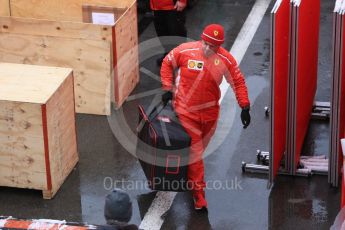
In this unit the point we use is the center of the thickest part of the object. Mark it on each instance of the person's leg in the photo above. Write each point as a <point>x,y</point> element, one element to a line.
<point>196,165</point>
<point>180,24</point>
<point>176,29</point>
<point>197,170</point>
<point>208,130</point>
<point>161,23</point>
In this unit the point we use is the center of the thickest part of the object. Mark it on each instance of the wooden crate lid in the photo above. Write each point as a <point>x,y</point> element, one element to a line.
<point>29,83</point>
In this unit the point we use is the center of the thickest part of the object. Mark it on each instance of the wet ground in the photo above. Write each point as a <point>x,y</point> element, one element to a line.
<point>246,203</point>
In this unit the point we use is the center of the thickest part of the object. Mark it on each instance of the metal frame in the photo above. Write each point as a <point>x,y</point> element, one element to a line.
<point>272,53</point>
<point>321,111</point>
<point>263,169</point>
<point>338,36</point>
<point>264,157</point>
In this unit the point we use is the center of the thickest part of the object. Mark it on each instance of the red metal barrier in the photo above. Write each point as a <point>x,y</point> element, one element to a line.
<point>279,83</point>
<point>42,224</point>
<point>308,19</point>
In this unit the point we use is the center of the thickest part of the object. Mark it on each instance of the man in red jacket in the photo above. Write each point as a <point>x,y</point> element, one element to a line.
<point>199,67</point>
<point>169,20</point>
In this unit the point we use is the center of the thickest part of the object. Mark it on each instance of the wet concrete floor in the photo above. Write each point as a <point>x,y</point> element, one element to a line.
<point>246,203</point>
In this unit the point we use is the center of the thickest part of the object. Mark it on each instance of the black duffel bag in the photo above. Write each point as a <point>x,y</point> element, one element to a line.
<point>163,149</point>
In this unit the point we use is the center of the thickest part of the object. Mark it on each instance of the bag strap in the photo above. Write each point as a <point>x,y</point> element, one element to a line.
<point>156,110</point>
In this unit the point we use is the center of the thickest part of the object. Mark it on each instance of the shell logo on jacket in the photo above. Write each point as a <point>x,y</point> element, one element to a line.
<point>197,79</point>
<point>195,65</point>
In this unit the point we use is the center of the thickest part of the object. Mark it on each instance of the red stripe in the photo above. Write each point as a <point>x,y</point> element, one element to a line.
<point>143,113</point>
<point>17,224</point>
<point>116,80</point>
<point>25,224</point>
<point>75,228</point>
<point>46,146</point>
<point>167,164</point>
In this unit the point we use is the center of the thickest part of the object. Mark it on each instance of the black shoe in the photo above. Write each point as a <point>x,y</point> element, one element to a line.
<point>202,210</point>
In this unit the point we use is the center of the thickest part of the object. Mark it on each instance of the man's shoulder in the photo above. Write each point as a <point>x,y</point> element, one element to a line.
<point>195,45</point>
<point>222,51</point>
<point>224,54</point>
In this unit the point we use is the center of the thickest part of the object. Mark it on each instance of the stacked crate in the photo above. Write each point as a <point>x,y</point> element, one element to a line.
<point>64,33</point>
<point>38,144</point>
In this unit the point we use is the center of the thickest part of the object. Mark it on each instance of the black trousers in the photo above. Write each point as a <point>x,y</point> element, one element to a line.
<point>170,27</point>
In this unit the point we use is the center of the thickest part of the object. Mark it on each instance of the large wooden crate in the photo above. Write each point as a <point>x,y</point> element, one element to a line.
<point>38,145</point>
<point>104,58</point>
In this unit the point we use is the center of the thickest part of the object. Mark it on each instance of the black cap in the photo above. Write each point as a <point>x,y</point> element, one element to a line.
<point>118,206</point>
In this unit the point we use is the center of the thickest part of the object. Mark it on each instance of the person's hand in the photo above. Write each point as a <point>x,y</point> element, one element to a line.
<point>166,97</point>
<point>179,6</point>
<point>245,117</point>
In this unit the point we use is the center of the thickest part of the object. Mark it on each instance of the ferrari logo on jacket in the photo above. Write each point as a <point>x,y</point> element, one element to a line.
<point>195,65</point>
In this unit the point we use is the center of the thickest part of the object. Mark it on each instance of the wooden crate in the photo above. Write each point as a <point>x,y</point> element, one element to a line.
<point>104,58</point>
<point>38,145</point>
<point>4,8</point>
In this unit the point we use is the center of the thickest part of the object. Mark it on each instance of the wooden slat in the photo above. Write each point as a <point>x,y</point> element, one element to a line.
<point>31,38</point>
<point>61,134</point>
<point>21,146</point>
<point>60,10</point>
<point>60,29</point>
<point>5,8</point>
<point>90,60</point>
<point>113,3</point>
<point>127,55</point>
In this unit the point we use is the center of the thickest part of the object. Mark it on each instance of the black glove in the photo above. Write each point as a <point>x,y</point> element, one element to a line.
<point>166,97</point>
<point>245,117</point>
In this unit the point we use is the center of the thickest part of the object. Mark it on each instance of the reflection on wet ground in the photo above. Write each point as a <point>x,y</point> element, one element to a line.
<point>300,202</point>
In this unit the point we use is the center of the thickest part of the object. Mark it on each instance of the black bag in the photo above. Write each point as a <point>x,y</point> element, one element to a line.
<point>163,149</point>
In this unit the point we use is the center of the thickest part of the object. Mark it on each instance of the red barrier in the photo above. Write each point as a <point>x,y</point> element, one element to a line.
<point>308,19</point>
<point>279,82</point>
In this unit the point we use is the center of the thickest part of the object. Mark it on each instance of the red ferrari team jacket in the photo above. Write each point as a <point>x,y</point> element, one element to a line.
<point>164,4</point>
<point>196,85</point>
